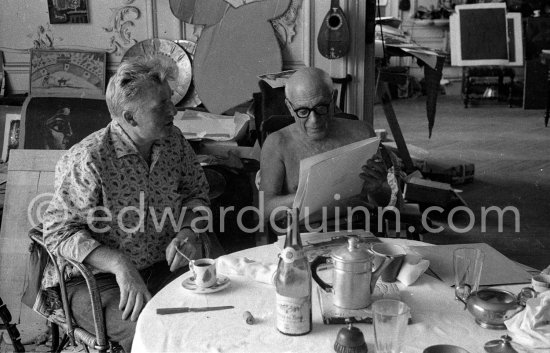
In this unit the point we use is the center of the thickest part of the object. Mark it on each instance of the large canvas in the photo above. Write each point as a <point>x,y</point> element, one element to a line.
<point>479,35</point>
<point>67,73</point>
<point>58,123</point>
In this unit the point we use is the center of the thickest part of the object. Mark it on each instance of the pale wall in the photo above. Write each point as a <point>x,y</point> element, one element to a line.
<point>20,20</point>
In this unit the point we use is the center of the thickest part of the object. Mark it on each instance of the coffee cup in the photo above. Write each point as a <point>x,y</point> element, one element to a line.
<point>204,271</point>
<point>540,283</point>
<point>397,253</point>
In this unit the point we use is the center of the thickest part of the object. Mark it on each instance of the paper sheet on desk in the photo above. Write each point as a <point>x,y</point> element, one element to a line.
<point>497,268</point>
<point>332,173</point>
<point>202,125</point>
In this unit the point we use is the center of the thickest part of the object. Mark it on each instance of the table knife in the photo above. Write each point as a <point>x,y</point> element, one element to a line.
<point>186,309</point>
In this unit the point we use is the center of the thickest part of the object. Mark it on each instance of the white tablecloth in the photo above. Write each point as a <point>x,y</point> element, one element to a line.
<point>437,318</point>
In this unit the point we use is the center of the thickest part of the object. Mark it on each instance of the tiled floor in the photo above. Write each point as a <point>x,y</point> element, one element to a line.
<point>43,344</point>
<point>509,148</point>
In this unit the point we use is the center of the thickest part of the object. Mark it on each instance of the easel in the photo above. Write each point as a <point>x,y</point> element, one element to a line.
<point>432,77</point>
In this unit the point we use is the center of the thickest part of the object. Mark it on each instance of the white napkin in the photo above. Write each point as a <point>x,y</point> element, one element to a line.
<point>242,266</point>
<point>413,267</point>
<point>531,327</point>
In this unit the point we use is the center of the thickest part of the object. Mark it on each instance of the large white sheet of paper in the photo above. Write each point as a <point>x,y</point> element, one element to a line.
<point>497,268</point>
<point>335,172</point>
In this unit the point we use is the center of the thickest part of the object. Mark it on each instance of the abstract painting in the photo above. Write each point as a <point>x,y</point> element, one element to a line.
<point>68,11</point>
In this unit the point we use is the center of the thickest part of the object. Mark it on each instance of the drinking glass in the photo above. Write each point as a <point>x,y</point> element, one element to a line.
<point>467,265</point>
<point>390,318</point>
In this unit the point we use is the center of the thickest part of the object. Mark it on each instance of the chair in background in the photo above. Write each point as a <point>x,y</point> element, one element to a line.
<point>343,82</point>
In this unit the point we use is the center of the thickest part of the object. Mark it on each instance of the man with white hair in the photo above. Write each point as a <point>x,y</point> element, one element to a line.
<point>113,191</point>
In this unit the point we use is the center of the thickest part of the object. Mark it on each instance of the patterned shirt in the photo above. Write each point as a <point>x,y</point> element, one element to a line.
<point>107,194</point>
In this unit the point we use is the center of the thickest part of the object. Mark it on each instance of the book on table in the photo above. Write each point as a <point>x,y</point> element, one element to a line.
<point>330,178</point>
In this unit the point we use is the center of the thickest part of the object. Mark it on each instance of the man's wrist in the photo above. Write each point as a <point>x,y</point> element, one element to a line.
<point>187,231</point>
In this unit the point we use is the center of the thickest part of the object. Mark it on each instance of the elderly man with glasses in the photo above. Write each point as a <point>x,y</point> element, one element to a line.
<point>310,99</point>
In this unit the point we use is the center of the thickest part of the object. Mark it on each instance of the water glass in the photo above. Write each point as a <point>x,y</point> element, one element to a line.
<point>467,265</point>
<point>390,318</point>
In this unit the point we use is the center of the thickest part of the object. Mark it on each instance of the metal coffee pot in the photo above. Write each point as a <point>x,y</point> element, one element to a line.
<point>354,278</point>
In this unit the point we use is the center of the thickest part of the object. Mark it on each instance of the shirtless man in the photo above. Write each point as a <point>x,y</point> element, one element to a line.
<point>310,100</point>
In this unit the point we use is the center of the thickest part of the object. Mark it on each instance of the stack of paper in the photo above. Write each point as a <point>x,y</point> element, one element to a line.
<point>330,177</point>
<point>203,125</point>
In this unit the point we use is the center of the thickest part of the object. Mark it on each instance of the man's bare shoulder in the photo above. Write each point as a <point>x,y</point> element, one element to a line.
<point>283,137</point>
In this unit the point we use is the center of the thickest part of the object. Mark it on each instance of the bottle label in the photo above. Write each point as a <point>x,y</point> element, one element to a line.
<point>293,315</point>
<point>289,254</point>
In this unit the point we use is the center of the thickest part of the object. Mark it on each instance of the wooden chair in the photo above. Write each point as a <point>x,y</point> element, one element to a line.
<point>54,305</point>
<point>343,83</point>
<point>30,179</point>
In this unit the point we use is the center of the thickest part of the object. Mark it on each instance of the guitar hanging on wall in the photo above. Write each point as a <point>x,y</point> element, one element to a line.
<point>333,40</point>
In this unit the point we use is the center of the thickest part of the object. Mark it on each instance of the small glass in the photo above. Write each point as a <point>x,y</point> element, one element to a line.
<point>467,265</point>
<point>390,318</point>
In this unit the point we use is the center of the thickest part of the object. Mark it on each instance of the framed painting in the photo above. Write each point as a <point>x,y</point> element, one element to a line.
<point>67,73</point>
<point>11,135</point>
<point>57,123</point>
<point>68,11</point>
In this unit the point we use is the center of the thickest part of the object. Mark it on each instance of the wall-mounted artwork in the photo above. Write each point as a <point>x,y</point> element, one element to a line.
<point>67,73</point>
<point>58,123</point>
<point>11,135</point>
<point>68,11</point>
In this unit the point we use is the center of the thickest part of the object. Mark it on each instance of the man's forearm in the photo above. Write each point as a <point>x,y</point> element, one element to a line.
<point>108,260</point>
<point>272,202</point>
<point>197,218</point>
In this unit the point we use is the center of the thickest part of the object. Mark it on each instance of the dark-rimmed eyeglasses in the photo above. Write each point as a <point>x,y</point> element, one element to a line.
<point>303,113</point>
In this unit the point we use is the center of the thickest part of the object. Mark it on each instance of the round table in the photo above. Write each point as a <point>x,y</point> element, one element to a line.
<point>437,318</point>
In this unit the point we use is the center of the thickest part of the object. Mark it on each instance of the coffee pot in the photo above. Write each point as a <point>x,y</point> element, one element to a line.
<point>354,278</point>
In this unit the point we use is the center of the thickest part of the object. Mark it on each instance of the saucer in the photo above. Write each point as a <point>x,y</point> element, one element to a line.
<point>221,283</point>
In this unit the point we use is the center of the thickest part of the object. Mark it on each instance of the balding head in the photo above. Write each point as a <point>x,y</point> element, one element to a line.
<point>307,84</point>
<point>309,100</point>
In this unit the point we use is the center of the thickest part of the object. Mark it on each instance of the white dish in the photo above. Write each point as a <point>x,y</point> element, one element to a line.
<point>222,283</point>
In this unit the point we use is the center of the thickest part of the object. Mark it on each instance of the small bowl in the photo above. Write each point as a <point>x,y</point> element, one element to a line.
<point>445,348</point>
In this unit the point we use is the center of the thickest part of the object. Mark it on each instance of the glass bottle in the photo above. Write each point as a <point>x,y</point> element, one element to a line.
<point>293,283</point>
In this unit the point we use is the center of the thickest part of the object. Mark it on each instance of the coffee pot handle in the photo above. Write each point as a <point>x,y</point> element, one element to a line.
<point>319,260</point>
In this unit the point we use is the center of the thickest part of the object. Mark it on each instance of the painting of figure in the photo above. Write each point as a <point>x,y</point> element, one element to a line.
<point>68,11</point>
<point>56,123</point>
<point>66,73</point>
